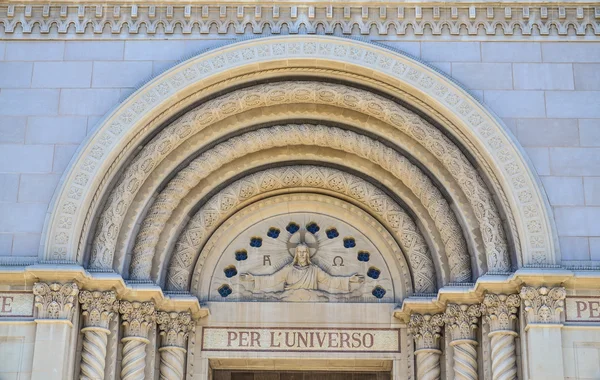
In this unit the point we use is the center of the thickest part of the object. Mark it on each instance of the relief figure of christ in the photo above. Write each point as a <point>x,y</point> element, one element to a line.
<point>303,274</point>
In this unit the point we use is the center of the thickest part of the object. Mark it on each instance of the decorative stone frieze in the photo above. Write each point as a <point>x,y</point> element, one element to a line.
<point>98,309</point>
<point>462,322</point>
<point>500,312</point>
<point>138,319</point>
<point>426,330</point>
<point>448,20</point>
<point>543,304</point>
<point>54,300</point>
<point>174,329</point>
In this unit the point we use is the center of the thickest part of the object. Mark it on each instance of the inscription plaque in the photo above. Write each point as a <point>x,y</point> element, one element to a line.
<point>16,304</point>
<point>582,309</point>
<point>300,339</point>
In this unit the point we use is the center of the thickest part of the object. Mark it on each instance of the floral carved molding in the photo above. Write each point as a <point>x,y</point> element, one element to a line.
<point>529,211</point>
<point>549,20</point>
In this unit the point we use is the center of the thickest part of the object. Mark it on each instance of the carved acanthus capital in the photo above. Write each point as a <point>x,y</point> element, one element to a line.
<point>55,301</point>
<point>174,328</point>
<point>462,320</point>
<point>98,308</point>
<point>426,330</point>
<point>138,318</point>
<point>543,304</point>
<point>500,311</point>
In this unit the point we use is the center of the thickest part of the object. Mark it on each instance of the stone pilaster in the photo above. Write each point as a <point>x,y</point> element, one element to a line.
<point>542,307</point>
<point>500,312</point>
<point>426,330</point>
<point>462,322</point>
<point>98,309</point>
<point>138,318</point>
<point>55,304</point>
<point>174,330</point>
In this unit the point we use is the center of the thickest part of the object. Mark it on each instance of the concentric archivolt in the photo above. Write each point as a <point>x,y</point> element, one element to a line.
<point>221,205</point>
<point>302,92</point>
<point>308,135</point>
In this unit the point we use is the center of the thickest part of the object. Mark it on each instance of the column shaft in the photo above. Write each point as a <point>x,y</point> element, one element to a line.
<point>93,355</point>
<point>133,363</point>
<point>428,364</point>
<point>465,360</point>
<point>172,363</point>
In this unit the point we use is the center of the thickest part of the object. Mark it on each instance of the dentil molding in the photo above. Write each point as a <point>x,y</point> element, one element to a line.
<point>546,19</point>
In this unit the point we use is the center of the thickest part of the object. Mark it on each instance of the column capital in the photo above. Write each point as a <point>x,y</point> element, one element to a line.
<point>138,318</point>
<point>174,328</point>
<point>54,300</point>
<point>543,304</point>
<point>500,311</point>
<point>462,321</point>
<point>426,329</point>
<point>98,308</point>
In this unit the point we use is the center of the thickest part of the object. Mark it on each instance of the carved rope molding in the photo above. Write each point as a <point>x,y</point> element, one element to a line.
<point>286,93</point>
<point>211,214</point>
<point>528,206</point>
<point>290,135</point>
<point>543,19</point>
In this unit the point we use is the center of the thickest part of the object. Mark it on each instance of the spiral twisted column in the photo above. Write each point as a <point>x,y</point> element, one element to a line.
<point>462,322</point>
<point>138,319</point>
<point>426,330</point>
<point>98,309</point>
<point>500,311</point>
<point>174,330</point>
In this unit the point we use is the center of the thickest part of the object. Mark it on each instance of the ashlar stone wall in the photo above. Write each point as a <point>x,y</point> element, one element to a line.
<point>53,94</point>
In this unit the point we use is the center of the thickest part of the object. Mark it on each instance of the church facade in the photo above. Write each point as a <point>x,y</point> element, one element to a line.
<point>280,190</point>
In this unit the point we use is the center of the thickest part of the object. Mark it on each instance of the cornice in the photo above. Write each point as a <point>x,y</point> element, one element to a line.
<point>103,281</point>
<point>545,19</point>
<point>509,283</point>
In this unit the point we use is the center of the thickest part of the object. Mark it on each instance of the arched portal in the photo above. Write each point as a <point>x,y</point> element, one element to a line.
<point>310,174</point>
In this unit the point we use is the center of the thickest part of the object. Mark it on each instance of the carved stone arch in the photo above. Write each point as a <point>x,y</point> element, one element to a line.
<point>467,121</point>
<point>223,205</point>
<point>351,120</point>
<point>290,135</point>
<point>299,199</point>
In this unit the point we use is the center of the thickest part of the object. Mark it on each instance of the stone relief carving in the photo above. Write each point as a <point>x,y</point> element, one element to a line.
<point>462,320</point>
<point>302,257</point>
<point>336,138</point>
<point>530,213</point>
<point>98,308</point>
<point>292,134</point>
<point>174,327</point>
<point>253,18</point>
<point>543,304</point>
<point>55,301</point>
<point>501,311</point>
<point>426,330</point>
<point>427,135</point>
<point>138,319</point>
<point>212,213</point>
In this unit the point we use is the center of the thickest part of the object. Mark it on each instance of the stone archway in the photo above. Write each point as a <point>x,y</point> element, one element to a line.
<point>474,128</point>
